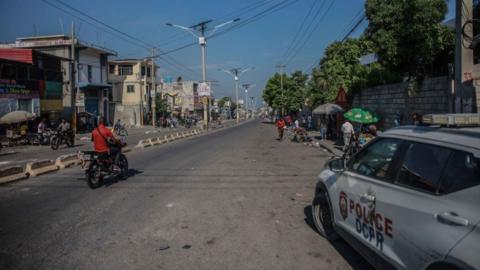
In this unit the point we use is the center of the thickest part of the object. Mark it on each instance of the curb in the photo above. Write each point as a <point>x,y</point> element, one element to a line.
<point>12,173</point>
<point>65,161</point>
<point>40,167</point>
<point>143,143</point>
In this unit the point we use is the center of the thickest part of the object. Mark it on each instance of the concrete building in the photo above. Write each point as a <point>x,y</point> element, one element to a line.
<point>132,91</point>
<point>30,81</point>
<point>93,90</point>
<point>182,98</point>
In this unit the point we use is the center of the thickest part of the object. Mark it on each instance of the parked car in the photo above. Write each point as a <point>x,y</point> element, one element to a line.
<point>408,200</point>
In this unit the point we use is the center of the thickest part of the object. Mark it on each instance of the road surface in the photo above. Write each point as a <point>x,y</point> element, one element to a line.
<point>233,199</point>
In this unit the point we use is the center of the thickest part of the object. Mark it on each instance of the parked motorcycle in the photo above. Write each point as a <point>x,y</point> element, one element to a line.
<point>99,165</point>
<point>57,138</point>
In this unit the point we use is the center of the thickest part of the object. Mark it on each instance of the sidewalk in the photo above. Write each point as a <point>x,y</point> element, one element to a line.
<point>328,145</point>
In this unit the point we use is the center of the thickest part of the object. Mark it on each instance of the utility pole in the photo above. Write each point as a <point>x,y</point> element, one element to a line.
<point>154,87</point>
<point>247,86</point>
<point>202,41</point>
<point>236,72</point>
<point>73,94</point>
<point>281,67</point>
<point>463,55</point>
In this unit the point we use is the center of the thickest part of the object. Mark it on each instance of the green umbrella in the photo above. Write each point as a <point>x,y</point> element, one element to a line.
<point>359,115</point>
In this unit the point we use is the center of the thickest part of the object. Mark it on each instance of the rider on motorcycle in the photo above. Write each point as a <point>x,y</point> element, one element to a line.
<point>104,142</point>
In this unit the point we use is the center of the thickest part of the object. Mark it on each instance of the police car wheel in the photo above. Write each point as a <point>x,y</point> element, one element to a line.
<point>322,217</point>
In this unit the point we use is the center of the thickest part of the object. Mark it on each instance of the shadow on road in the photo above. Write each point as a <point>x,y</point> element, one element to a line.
<point>111,180</point>
<point>348,253</point>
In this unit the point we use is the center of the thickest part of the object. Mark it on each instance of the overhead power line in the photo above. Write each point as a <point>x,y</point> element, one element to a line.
<point>174,64</point>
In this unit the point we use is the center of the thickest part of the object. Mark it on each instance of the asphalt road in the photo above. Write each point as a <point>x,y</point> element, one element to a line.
<point>233,199</point>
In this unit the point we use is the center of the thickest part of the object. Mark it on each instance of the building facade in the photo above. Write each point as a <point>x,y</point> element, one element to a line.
<point>30,81</point>
<point>182,98</point>
<point>132,90</point>
<point>90,78</point>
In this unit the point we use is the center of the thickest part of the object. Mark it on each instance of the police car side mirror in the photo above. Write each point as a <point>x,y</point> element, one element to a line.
<point>337,165</point>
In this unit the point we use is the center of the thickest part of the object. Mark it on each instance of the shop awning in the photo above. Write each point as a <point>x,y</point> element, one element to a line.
<point>87,85</point>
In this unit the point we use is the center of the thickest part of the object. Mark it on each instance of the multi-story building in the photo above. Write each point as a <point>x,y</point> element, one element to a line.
<point>30,81</point>
<point>132,91</point>
<point>182,98</point>
<point>91,72</point>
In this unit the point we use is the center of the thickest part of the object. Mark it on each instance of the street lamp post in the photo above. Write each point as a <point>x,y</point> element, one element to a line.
<point>202,41</point>
<point>247,86</point>
<point>236,72</point>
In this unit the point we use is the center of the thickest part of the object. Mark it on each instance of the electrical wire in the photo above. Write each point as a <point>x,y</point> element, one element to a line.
<point>309,36</point>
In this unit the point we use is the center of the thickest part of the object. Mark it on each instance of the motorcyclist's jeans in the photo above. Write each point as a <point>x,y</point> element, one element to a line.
<point>115,153</point>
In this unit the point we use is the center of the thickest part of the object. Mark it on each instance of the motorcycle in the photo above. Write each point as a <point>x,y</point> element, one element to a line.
<point>98,165</point>
<point>59,137</point>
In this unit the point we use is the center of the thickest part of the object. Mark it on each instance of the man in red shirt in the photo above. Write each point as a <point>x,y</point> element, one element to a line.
<point>102,137</point>
<point>280,125</point>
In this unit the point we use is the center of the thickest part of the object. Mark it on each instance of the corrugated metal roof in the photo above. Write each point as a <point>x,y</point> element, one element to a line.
<point>19,55</point>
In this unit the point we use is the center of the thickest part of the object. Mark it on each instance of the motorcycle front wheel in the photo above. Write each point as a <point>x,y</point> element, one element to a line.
<point>55,142</point>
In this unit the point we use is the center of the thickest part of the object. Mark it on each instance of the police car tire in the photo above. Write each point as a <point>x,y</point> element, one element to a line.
<point>324,227</point>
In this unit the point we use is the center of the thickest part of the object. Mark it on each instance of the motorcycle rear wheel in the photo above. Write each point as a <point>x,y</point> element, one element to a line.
<point>123,164</point>
<point>94,176</point>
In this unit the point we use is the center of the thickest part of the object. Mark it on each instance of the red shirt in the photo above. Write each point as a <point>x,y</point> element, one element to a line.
<point>99,142</point>
<point>280,123</point>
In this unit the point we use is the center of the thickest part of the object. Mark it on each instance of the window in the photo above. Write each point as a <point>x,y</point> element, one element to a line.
<point>148,72</point>
<point>375,161</point>
<point>142,71</point>
<point>111,69</point>
<point>89,73</point>
<point>423,166</point>
<point>130,88</point>
<point>125,70</point>
<point>462,171</point>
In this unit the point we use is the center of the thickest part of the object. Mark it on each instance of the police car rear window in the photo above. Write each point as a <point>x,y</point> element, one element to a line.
<point>423,166</point>
<point>462,171</point>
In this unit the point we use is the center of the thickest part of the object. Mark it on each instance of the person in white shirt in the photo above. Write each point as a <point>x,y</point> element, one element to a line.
<point>348,133</point>
<point>297,123</point>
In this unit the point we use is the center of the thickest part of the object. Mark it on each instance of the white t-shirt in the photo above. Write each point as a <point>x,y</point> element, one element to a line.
<point>347,128</point>
<point>297,124</point>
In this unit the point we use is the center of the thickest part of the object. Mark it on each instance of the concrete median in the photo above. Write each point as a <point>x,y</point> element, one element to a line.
<point>154,141</point>
<point>65,161</point>
<point>12,173</point>
<point>143,143</point>
<point>40,167</point>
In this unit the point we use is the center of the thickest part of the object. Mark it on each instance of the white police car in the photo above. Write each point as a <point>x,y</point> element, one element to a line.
<point>410,199</point>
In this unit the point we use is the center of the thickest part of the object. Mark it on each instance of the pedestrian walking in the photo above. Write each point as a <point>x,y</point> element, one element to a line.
<point>348,133</point>
<point>297,123</point>
<point>309,122</point>
<point>280,127</point>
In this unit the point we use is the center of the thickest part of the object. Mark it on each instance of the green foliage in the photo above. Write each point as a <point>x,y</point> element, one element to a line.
<point>294,92</point>
<point>161,104</point>
<point>407,35</point>
<point>223,100</point>
<point>340,67</point>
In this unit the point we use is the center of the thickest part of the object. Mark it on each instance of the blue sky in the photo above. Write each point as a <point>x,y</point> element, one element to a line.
<point>261,44</point>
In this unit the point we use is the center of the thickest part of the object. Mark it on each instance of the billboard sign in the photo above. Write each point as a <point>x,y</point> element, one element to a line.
<point>203,89</point>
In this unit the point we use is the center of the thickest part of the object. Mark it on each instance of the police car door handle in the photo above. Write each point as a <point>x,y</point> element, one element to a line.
<point>451,218</point>
<point>366,198</point>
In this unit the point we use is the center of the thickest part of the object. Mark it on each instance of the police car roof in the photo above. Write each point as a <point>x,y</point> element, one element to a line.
<point>464,137</point>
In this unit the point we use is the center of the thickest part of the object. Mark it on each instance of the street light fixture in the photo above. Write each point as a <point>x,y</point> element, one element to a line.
<point>247,86</point>
<point>236,73</point>
<point>201,28</point>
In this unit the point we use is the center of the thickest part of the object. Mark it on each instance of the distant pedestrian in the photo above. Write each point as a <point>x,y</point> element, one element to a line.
<point>309,122</point>
<point>323,129</point>
<point>280,126</point>
<point>416,119</point>
<point>297,123</point>
<point>348,133</point>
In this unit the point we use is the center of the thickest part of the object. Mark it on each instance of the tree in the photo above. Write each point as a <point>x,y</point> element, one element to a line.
<point>292,98</point>
<point>339,67</point>
<point>223,100</point>
<point>408,34</point>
